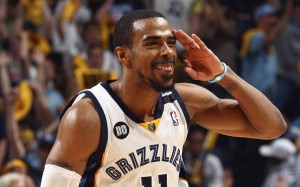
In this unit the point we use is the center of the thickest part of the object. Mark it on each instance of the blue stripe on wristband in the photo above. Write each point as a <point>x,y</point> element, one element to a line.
<point>220,76</point>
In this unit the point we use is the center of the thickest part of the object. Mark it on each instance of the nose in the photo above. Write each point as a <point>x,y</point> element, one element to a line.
<point>166,51</point>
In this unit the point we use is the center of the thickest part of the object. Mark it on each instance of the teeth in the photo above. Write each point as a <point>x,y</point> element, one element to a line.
<point>162,67</point>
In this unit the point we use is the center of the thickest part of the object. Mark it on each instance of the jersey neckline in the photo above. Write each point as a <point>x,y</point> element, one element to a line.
<point>159,106</point>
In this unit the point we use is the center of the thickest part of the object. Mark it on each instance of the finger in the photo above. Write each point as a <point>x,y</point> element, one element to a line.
<point>186,63</point>
<point>186,41</point>
<point>198,41</point>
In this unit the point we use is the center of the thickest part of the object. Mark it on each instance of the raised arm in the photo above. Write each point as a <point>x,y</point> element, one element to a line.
<point>250,115</point>
<point>78,137</point>
<point>16,148</point>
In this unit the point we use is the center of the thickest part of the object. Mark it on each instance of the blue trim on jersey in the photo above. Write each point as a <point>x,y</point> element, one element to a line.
<point>183,108</point>
<point>68,105</point>
<point>159,108</point>
<point>95,159</point>
<point>159,105</point>
<point>182,172</point>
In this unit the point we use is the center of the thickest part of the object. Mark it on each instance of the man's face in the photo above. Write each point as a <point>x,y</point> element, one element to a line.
<point>92,35</point>
<point>95,58</point>
<point>269,21</point>
<point>154,53</point>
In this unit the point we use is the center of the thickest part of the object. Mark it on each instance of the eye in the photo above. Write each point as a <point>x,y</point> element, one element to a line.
<point>151,44</point>
<point>172,43</point>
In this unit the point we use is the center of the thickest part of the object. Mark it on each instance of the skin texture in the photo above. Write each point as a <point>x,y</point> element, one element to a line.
<point>250,115</point>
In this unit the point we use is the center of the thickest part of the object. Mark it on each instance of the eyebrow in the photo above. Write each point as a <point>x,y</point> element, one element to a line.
<point>158,37</point>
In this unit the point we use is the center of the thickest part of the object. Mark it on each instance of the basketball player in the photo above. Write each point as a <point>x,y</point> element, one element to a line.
<point>130,132</point>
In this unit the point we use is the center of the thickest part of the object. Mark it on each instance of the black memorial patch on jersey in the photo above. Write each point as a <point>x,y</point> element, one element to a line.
<point>121,130</point>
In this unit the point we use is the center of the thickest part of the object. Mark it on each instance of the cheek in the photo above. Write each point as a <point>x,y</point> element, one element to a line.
<point>143,62</point>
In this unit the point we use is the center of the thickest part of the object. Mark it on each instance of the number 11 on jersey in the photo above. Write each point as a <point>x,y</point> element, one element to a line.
<point>147,181</point>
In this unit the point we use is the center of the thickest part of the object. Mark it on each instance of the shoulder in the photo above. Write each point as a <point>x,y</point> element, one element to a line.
<point>81,122</point>
<point>82,111</point>
<point>77,138</point>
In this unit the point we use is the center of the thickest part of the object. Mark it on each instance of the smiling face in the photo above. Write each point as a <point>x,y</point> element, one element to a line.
<point>153,53</point>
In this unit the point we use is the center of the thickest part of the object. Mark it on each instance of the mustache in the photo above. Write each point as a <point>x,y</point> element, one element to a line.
<point>164,61</point>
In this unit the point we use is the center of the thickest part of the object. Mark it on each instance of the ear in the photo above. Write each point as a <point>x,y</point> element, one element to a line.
<point>123,56</point>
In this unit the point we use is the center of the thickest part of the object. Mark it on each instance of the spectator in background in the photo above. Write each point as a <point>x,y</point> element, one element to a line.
<point>15,147</point>
<point>25,108</point>
<point>2,135</point>
<point>203,168</point>
<point>54,98</point>
<point>4,89</point>
<point>37,14</point>
<point>68,17</point>
<point>294,135</point>
<point>288,53</point>
<point>217,30</point>
<point>71,37</point>
<point>15,180</point>
<point>110,12</point>
<point>15,165</point>
<point>280,154</point>
<point>91,39</point>
<point>94,63</point>
<point>11,23</point>
<point>36,157</point>
<point>258,57</point>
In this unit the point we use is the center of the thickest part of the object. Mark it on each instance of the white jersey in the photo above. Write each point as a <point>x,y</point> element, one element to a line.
<point>133,152</point>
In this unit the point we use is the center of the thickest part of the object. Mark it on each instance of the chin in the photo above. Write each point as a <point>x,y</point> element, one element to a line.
<point>162,87</point>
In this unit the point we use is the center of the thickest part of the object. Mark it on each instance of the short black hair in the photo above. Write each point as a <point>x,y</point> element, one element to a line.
<point>123,32</point>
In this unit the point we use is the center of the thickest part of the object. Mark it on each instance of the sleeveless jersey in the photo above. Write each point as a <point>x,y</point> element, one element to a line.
<point>133,152</point>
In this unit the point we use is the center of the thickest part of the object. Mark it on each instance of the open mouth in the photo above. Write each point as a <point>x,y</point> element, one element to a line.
<point>165,67</point>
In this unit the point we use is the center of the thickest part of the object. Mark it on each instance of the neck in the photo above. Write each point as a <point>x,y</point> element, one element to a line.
<point>140,102</point>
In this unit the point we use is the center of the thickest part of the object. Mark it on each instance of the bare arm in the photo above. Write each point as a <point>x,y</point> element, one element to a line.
<point>16,147</point>
<point>250,115</point>
<point>38,87</point>
<point>18,22</point>
<point>48,18</point>
<point>3,147</point>
<point>4,90</point>
<point>4,77</point>
<point>103,10</point>
<point>43,111</point>
<point>3,31</point>
<point>78,137</point>
<point>23,53</point>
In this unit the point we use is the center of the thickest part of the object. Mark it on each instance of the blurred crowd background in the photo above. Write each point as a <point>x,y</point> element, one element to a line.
<point>51,49</point>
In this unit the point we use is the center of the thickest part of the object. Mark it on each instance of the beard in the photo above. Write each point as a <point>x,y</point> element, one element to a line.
<point>159,87</point>
<point>155,85</point>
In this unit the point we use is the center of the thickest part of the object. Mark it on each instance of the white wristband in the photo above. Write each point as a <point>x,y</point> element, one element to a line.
<point>55,176</point>
<point>220,76</point>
